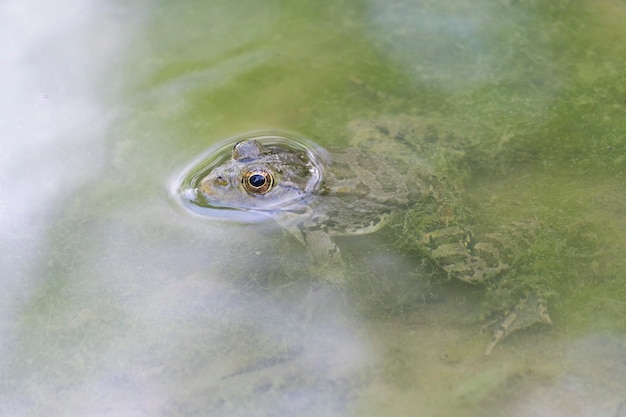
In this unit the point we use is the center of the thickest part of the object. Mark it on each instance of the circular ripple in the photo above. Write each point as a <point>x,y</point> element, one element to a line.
<point>188,185</point>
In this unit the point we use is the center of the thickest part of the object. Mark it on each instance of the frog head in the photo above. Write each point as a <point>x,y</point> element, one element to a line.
<point>260,177</point>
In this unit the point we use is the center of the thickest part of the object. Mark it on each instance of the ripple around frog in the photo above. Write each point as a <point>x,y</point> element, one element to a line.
<point>188,193</point>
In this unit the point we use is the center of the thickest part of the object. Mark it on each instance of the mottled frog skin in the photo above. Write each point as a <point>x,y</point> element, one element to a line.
<point>354,190</point>
<point>335,192</point>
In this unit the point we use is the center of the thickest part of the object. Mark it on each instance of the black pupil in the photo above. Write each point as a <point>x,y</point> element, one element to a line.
<point>257,180</point>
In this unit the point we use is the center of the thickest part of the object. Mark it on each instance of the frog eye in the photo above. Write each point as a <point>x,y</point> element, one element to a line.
<point>257,181</point>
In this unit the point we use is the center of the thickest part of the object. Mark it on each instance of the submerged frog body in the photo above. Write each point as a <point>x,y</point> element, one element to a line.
<point>315,196</point>
<point>318,194</point>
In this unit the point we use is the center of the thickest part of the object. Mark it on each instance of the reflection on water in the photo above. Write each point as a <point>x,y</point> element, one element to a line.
<point>47,107</point>
<point>117,301</point>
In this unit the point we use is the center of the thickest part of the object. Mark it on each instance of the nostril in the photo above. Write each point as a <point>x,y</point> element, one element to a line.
<point>221,181</point>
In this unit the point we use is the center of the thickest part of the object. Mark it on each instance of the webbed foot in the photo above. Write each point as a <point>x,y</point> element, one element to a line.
<point>530,310</point>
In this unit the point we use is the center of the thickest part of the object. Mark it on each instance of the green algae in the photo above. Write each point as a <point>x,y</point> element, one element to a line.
<point>147,296</point>
<point>531,89</point>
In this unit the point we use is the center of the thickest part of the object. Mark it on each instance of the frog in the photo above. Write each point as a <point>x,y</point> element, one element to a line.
<point>318,194</point>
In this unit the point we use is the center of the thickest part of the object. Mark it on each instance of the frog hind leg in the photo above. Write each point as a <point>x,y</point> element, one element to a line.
<point>528,311</point>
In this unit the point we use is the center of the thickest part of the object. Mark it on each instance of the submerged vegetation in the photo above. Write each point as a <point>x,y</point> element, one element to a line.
<point>533,89</point>
<point>126,294</point>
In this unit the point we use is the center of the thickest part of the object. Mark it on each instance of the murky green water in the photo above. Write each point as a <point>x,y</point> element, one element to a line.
<point>116,300</point>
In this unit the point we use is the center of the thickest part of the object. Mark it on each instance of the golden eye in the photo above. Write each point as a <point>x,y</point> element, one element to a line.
<point>257,181</point>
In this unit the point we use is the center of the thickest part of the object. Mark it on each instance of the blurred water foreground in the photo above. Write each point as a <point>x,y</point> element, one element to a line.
<point>116,300</point>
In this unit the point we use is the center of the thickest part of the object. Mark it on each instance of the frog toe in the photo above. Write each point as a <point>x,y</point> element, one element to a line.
<point>528,311</point>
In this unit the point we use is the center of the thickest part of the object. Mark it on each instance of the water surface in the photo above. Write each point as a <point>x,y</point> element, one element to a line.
<point>116,300</point>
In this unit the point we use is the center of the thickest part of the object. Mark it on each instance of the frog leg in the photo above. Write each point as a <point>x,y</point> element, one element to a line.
<point>457,252</point>
<point>327,256</point>
<point>528,311</point>
<point>312,232</point>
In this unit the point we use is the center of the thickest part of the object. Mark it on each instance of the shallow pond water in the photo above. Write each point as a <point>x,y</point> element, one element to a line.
<point>117,300</point>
